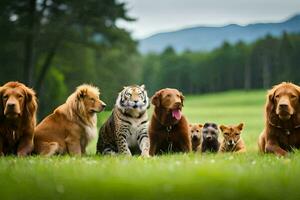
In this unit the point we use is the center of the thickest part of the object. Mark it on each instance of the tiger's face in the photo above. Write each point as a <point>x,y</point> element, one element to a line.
<point>133,98</point>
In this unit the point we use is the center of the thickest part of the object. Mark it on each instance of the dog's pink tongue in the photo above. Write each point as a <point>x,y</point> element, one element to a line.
<point>176,114</point>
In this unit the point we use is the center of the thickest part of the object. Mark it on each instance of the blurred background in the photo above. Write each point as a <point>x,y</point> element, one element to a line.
<point>197,46</point>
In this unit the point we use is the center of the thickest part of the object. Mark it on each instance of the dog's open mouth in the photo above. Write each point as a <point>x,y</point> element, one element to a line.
<point>176,113</point>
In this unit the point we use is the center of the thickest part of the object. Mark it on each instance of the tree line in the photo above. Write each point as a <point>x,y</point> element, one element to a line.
<point>258,65</point>
<point>55,45</point>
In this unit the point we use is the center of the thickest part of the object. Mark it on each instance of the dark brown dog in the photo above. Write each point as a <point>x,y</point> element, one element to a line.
<point>17,119</point>
<point>168,129</point>
<point>282,128</point>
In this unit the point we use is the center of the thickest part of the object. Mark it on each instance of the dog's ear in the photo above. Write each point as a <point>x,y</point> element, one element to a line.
<point>82,93</point>
<point>270,103</point>
<point>182,98</point>
<point>30,103</point>
<point>222,127</point>
<point>156,99</point>
<point>142,86</point>
<point>240,126</point>
<point>200,125</point>
<point>270,97</point>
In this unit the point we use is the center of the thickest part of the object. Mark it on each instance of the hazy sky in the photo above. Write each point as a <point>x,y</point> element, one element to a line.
<point>165,15</point>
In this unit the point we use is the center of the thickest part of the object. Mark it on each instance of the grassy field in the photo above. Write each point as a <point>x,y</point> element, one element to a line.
<point>192,176</point>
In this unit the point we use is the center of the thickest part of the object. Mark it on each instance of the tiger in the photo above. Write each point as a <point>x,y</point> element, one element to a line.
<point>125,131</point>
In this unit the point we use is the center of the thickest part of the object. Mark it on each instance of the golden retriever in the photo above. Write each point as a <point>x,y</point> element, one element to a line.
<point>72,125</point>
<point>17,119</point>
<point>282,120</point>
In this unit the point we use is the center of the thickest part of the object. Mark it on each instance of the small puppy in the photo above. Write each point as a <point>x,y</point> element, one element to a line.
<point>210,134</point>
<point>196,136</point>
<point>232,141</point>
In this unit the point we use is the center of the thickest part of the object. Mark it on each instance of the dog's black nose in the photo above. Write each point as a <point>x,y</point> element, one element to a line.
<point>135,101</point>
<point>194,137</point>
<point>208,137</point>
<point>11,105</point>
<point>283,105</point>
<point>178,104</point>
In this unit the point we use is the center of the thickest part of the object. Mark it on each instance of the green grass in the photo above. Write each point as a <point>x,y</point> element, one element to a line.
<point>182,176</point>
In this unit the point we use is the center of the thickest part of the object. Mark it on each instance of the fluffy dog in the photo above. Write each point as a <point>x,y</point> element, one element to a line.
<point>282,120</point>
<point>232,141</point>
<point>196,136</point>
<point>17,119</point>
<point>72,125</point>
<point>210,134</point>
<point>168,129</point>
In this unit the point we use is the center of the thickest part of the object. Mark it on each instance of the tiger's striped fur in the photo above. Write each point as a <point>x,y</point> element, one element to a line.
<point>125,131</point>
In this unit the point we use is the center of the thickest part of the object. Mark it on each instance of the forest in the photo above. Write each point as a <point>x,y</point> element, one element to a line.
<point>53,46</point>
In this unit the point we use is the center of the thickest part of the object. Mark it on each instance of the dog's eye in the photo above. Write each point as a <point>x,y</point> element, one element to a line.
<point>20,96</point>
<point>293,97</point>
<point>92,99</point>
<point>5,97</point>
<point>226,133</point>
<point>277,96</point>
<point>237,134</point>
<point>197,131</point>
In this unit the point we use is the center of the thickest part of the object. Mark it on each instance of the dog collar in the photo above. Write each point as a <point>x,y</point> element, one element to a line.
<point>287,131</point>
<point>169,128</point>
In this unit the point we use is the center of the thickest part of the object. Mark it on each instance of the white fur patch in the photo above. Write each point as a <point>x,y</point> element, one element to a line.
<point>91,132</point>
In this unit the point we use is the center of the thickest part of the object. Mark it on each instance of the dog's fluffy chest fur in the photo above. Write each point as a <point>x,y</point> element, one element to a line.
<point>89,131</point>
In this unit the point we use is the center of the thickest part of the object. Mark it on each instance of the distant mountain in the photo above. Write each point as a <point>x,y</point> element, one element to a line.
<point>204,38</point>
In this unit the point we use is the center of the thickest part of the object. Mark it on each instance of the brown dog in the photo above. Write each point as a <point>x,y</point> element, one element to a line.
<point>168,129</point>
<point>232,141</point>
<point>282,128</point>
<point>17,119</point>
<point>196,136</point>
<point>71,126</point>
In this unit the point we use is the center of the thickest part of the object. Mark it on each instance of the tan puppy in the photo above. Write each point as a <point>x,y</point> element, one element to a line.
<point>232,141</point>
<point>196,136</point>
<point>72,125</point>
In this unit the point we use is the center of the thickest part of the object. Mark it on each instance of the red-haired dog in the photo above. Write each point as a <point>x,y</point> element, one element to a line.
<point>168,129</point>
<point>282,129</point>
<point>17,119</point>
